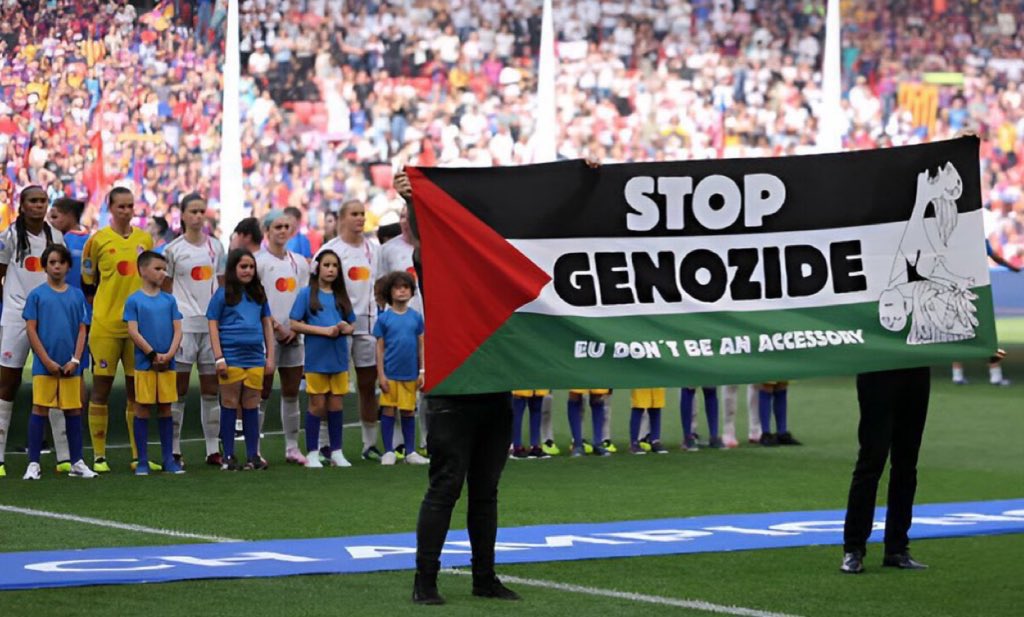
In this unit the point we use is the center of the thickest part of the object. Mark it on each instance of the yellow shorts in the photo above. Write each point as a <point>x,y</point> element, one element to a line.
<point>400,394</point>
<point>57,392</point>
<point>152,387</point>
<point>251,378</point>
<point>321,383</point>
<point>648,398</point>
<point>107,351</point>
<point>591,391</point>
<point>530,393</point>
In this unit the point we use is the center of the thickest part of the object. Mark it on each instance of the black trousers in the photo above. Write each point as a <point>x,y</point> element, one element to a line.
<point>893,409</point>
<point>468,438</point>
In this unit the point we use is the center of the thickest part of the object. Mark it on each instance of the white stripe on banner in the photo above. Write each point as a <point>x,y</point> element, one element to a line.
<point>99,522</point>
<point>698,605</point>
<point>964,256</point>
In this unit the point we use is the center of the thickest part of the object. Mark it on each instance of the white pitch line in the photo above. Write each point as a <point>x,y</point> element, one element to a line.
<point>99,522</point>
<point>698,605</point>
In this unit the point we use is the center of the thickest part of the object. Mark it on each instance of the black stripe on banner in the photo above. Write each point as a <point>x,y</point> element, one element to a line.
<point>567,199</point>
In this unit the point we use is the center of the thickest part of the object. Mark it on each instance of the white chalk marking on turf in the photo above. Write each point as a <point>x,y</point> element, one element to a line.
<point>698,605</point>
<point>99,522</point>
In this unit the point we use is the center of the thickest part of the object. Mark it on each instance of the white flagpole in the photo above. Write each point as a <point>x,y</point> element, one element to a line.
<point>545,129</point>
<point>232,204</point>
<point>830,123</point>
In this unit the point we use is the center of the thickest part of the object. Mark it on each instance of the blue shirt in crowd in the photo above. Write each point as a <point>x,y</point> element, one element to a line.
<point>327,356</point>
<point>401,332</point>
<point>59,316</point>
<point>241,329</point>
<point>156,316</point>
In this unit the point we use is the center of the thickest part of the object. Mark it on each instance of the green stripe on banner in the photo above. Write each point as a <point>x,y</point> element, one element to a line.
<point>533,351</point>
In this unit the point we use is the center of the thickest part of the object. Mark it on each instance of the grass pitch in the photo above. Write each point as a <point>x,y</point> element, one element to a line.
<point>972,451</point>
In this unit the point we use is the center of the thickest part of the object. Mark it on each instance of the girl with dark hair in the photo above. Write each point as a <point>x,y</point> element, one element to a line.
<point>242,337</point>
<point>362,269</point>
<point>21,271</point>
<point>323,314</point>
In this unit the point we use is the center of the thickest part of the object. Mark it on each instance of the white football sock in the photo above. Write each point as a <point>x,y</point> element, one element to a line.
<point>60,435</point>
<point>290,421</point>
<point>209,409</point>
<point>369,434</point>
<point>546,433</point>
<point>177,417</point>
<point>6,411</point>
<point>753,417</point>
<point>729,412</point>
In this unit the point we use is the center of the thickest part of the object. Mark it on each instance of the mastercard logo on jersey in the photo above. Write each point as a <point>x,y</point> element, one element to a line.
<point>126,268</point>
<point>285,284</point>
<point>359,273</point>
<point>32,264</point>
<point>202,273</point>
<point>412,271</point>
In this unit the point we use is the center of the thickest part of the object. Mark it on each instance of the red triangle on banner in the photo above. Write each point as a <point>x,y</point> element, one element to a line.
<point>474,279</point>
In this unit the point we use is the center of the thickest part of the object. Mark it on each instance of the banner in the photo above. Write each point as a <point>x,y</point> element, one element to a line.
<point>704,272</point>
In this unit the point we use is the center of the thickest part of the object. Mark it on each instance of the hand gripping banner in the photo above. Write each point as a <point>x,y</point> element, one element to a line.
<point>702,272</point>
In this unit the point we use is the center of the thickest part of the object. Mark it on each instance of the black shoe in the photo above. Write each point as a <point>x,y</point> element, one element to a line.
<point>903,561</point>
<point>787,439</point>
<point>769,439</point>
<point>493,588</point>
<point>229,463</point>
<point>853,562</point>
<point>424,590</point>
<point>257,464</point>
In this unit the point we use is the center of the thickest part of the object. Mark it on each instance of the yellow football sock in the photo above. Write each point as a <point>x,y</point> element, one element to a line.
<point>129,418</point>
<point>98,429</point>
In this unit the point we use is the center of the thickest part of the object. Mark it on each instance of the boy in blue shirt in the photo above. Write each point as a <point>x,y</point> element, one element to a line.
<point>147,312</point>
<point>399,332</point>
<point>65,216</point>
<point>55,322</point>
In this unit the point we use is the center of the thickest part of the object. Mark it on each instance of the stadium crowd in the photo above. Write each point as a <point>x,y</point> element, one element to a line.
<point>336,92</point>
<point>337,95</point>
<point>95,94</point>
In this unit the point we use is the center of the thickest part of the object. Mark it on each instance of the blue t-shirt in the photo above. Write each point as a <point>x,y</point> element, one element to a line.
<point>75,241</point>
<point>156,316</point>
<point>58,316</point>
<point>300,244</point>
<point>241,329</point>
<point>401,332</point>
<point>327,356</point>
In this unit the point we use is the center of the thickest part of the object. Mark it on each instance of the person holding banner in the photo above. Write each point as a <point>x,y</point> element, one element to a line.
<point>468,438</point>
<point>894,403</point>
